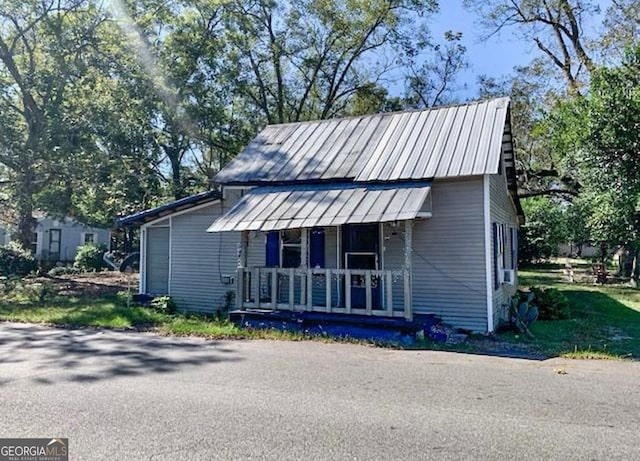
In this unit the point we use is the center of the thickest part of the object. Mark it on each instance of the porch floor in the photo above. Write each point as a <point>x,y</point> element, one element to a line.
<point>335,324</point>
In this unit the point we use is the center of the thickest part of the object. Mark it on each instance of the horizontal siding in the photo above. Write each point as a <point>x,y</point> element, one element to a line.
<point>502,212</point>
<point>70,236</point>
<point>448,259</point>
<point>200,260</point>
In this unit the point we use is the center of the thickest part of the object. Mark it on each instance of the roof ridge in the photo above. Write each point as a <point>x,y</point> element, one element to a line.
<point>385,114</point>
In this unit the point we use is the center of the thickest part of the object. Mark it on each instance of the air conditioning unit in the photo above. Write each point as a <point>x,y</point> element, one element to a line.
<point>508,276</point>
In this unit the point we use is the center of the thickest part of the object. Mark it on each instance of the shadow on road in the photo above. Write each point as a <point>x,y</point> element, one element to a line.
<point>51,355</point>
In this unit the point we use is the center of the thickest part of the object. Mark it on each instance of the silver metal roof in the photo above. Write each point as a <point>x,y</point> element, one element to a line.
<point>462,140</point>
<point>288,207</point>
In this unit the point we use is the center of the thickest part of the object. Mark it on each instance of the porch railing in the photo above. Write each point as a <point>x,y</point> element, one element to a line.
<point>348,291</point>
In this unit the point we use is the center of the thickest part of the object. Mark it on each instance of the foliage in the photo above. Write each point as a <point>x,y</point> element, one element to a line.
<point>551,303</point>
<point>523,312</point>
<point>163,305</point>
<point>605,320</point>
<point>89,257</point>
<point>599,133</point>
<point>15,260</point>
<point>543,230</point>
<point>63,270</point>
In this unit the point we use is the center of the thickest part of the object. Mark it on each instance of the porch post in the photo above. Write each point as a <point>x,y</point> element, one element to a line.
<point>408,269</point>
<point>242,264</point>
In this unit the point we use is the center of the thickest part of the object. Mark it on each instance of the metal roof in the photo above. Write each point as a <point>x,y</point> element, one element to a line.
<point>443,142</point>
<point>152,214</point>
<point>288,207</point>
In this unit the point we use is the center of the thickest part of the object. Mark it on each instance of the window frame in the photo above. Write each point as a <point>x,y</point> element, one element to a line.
<point>83,238</point>
<point>283,246</point>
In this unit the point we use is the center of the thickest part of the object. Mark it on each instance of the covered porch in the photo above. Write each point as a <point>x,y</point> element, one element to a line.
<point>337,249</point>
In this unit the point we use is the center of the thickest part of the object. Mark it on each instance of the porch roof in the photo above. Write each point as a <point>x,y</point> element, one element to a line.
<point>288,207</point>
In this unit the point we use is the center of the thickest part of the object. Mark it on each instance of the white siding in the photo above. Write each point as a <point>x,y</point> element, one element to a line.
<point>449,277</point>
<point>71,233</point>
<point>201,260</point>
<point>502,212</point>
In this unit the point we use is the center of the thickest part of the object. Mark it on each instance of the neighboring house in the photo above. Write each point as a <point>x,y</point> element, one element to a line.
<point>57,240</point>
<point>389,215</point>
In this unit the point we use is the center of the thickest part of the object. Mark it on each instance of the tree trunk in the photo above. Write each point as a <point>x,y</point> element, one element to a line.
<point>24,208</point>
<point>603,252</point>
<point>176,180</point>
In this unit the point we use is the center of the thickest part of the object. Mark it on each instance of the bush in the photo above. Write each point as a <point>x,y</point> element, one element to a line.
<point>63,270</point>
<point>163,305</point>
<point>552,303</point>
<point>15,260</point>
<point>89,257</point>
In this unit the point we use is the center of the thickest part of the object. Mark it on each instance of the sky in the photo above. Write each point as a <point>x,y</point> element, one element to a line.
<point>494,57</point>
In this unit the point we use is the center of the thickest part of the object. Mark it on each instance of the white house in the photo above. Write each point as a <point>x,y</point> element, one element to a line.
<point>58,239</point>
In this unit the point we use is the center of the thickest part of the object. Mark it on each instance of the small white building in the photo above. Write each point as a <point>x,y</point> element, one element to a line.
<point>58,239</point>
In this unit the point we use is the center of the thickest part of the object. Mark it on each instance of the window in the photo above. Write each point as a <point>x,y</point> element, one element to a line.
<point>34,243</point>
<point>499,252</point>
<point>291,247</point>
<point>88,238</point>
<point>284,248</point>
<point>55,237</point>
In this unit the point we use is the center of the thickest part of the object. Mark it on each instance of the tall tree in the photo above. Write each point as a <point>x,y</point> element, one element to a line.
<point>45,47</point>
<point>305,60</point>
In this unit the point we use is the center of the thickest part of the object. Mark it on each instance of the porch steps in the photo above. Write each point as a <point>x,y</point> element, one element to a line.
<point>341,325</point>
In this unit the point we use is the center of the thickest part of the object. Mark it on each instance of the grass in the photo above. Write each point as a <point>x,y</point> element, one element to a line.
<point>604,321</point>
<point>110,311</point>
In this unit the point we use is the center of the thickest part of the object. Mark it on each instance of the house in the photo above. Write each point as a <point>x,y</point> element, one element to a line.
<point>387,216</point>
<point>179,258</point>
<point>58,239</point>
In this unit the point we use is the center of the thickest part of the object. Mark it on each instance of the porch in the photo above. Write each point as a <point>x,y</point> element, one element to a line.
<point>334,249</point>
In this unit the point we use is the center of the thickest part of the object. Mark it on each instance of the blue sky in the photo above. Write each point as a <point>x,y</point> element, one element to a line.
<point>495,57</point>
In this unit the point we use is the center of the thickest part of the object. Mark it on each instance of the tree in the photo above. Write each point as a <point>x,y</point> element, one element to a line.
<point>543,231</point>
<point>306,60</point>
<point>431,79</point>
<point>555,26</point>
<point>601,132</point>
<point>45,47</point>
<point>622,29</point>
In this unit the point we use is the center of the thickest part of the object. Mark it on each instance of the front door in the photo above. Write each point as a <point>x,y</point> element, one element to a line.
<point>361,243</point>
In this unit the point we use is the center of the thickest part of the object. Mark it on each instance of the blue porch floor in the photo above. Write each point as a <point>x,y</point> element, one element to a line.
<point>384,329</point>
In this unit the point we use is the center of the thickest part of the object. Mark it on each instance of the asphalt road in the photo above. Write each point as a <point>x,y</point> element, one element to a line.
<point>130,396</point>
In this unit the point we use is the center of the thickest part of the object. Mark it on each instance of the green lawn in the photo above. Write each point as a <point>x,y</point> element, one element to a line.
<point>111,312</point>
<point>604,321</point>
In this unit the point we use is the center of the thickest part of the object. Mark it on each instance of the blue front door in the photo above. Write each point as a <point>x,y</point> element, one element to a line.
<point>361,250</point>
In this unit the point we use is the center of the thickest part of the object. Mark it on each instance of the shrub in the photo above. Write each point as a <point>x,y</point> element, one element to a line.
<point>163,305</point>
<point>552,303</point>
<point>63,270</point>
<point>16,260</point>
<point>89,257</point>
